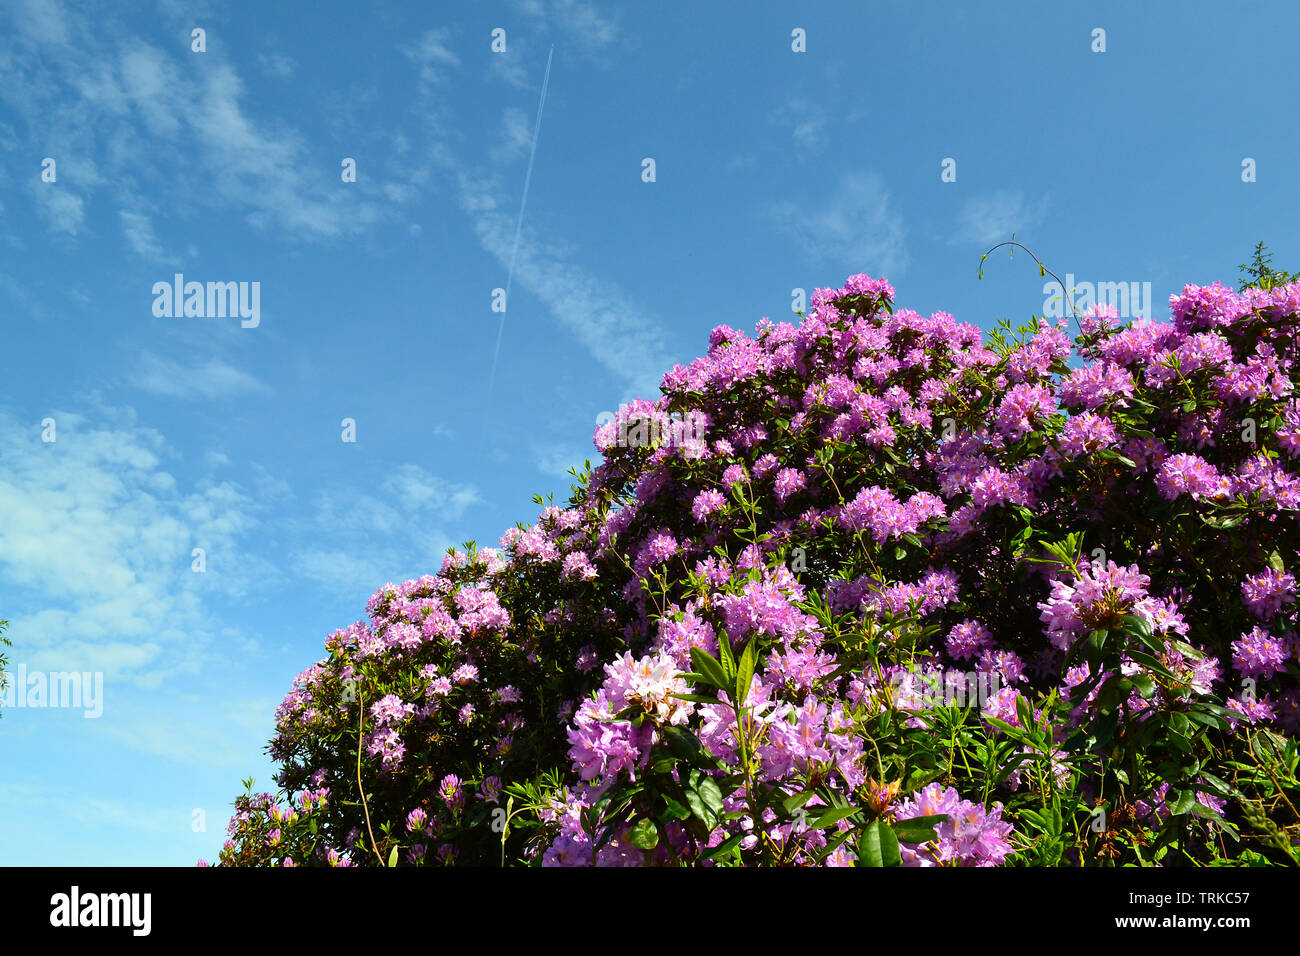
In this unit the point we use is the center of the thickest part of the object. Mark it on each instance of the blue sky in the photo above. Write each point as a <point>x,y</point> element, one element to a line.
<point>774,170</point>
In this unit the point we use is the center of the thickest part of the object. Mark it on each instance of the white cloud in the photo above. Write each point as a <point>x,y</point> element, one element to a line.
<point>147,117</point>
<point>579,20</point>
<point>509,66</point>
<point>195,733</point>
<point>985,220</point>
<point>613,329</point>
<point>556,460</point>
<point>415,489</point>
<point>854,228</point>
<point>361,541</point>
<point>138,230</point>
<point>207,381</point>
<point>433,55</point>
<point>343,569</point>
<point>276,64</point>
<point>95,813</point>
<point>605,321</point>
<point>43,20</point>
<point>516,136</point>
<point>96,540</point>
<point>153,85</point>
<point>63,209</point>
<point>264,171</point>
<point>806,120</point>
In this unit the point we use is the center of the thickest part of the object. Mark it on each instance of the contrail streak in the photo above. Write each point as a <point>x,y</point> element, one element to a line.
<point>537,128</point>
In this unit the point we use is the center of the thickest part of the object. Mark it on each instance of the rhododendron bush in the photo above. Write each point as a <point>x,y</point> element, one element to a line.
<point>876,590</point>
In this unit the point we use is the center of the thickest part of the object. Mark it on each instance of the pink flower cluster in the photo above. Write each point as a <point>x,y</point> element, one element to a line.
<point>847,497</point>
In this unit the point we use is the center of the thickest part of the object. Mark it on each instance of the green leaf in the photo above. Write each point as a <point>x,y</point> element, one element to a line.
<point>697,698</point>
<point>833,843</point>
<point>1180,801</point>
<point>727,659</point>
<point>687,744</point>
<point>644,834</point>
<point>707,666</point>
<point>699,809</point>
<point>1104,728</point>
<point>724,848</point>
<point>1138,626</point>
<point>878,846</point>
<point>824,817</point>
<point>794,802</point>
<point>745,674</point>
<point>677,809</point>
<point>1215,709</point>
<point>918,829</point>
<point>1112,692</point>
<point>1025,711</point>
<point>1013,732</point>
<point>1215,785</point>
<point>392,857</point>
<point>710,794</point>
<point>1201,810</point>
<point>1153,664</point>
<point>1187,650</point>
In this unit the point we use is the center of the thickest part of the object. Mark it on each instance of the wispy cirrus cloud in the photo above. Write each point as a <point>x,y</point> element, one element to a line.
<point>807,121</point>
<point>578,20</point>
<point>402,531</point>
<point>207,380</point>
<point>96,540</point>
<point>603,318</point>
<point>433,56</point>
<point>83,88</point>
<point>276,64</point>
<point>854,227</point>
<point>613,328</point>
<point>46,20</point>
<point>515,136</point>
<point>137,227</point>
<point>555,460</point>
<point>63,209</point>
<point>985,220</point>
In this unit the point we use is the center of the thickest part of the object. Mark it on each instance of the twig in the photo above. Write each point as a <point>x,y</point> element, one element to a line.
<point>361,724</point>
<point>1068,298</point>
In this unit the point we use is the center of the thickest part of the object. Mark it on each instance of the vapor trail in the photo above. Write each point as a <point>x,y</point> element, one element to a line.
<point>537,128</point>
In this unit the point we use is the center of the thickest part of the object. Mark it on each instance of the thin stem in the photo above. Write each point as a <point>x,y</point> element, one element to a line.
<point>361,722</point>
<point>1069,298</point>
